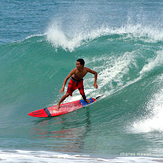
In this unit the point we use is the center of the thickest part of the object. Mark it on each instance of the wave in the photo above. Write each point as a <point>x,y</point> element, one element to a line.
<point>128,66</point>
<point>118,55</point>
<point>153,120</point>
<point>70,41</point>
<point>153,62</point>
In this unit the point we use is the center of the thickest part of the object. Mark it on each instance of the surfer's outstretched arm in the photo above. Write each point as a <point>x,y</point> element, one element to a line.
<point>65,80</point>
<point>62,89</point>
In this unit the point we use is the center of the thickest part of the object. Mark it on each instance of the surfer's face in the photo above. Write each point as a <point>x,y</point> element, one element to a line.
<point>78,65</point>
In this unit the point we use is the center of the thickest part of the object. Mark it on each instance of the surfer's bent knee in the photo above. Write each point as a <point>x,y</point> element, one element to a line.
<point>67,94</point>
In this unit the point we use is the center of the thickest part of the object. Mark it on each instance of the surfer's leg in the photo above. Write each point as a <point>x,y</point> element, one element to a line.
<point>61,100</point>
<point>81,90</point>
<point>84,97</point>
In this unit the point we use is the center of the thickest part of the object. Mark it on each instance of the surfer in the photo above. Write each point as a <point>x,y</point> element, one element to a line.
<point>76,81</point>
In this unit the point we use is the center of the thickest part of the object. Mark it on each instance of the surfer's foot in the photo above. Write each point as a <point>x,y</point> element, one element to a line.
<point>57,107</point>
<point>88,101</point>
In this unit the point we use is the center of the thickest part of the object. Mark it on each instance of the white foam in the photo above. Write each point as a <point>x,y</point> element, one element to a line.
<point>154,121</point>
<point>19,156</point>
<point>36,35</point>
<point>110,70</point>
<point>59,38</point>
<point>158,61</point>
<point>137,31</point>
<point>75,38</point>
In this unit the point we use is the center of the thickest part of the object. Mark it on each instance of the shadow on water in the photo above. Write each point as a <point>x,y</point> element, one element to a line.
<point>66,132</point>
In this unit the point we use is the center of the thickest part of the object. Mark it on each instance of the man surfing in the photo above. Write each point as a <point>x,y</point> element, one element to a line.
<point>76,81</point>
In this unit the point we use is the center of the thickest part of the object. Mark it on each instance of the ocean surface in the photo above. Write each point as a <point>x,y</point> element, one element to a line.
<point>40,42</point>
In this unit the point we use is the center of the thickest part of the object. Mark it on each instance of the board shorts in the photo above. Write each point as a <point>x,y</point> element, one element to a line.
<point>75,84</point>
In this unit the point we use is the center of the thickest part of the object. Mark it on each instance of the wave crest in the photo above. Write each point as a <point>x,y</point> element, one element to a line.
<point>60,38</point>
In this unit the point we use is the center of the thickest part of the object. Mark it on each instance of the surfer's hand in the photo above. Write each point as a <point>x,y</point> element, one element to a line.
<point>62,90</point>
<point>95,85</point>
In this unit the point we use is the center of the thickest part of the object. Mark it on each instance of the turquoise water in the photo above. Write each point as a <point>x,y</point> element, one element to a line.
<point>39,45</point>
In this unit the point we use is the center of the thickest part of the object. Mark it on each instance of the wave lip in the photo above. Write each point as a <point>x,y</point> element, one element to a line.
<point>153,63</point>
<point>59,38</point>
<point>73,39</point>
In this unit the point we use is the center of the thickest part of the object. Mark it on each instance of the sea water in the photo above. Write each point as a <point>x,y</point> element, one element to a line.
<point>40,42</point>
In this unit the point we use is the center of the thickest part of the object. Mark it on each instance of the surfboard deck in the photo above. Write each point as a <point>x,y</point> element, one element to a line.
<point>64,109</point>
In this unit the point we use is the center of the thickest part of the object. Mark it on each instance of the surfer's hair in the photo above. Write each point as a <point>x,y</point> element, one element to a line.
<point>82,62</point>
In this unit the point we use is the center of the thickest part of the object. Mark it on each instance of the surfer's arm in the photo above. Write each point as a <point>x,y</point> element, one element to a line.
<point>95,74</point>
<point>65,80</point>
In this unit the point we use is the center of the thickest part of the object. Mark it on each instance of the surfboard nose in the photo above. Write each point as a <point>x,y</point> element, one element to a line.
<point>38,113</point>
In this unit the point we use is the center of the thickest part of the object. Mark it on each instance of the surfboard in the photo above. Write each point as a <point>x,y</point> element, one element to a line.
<point>64,108</point>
